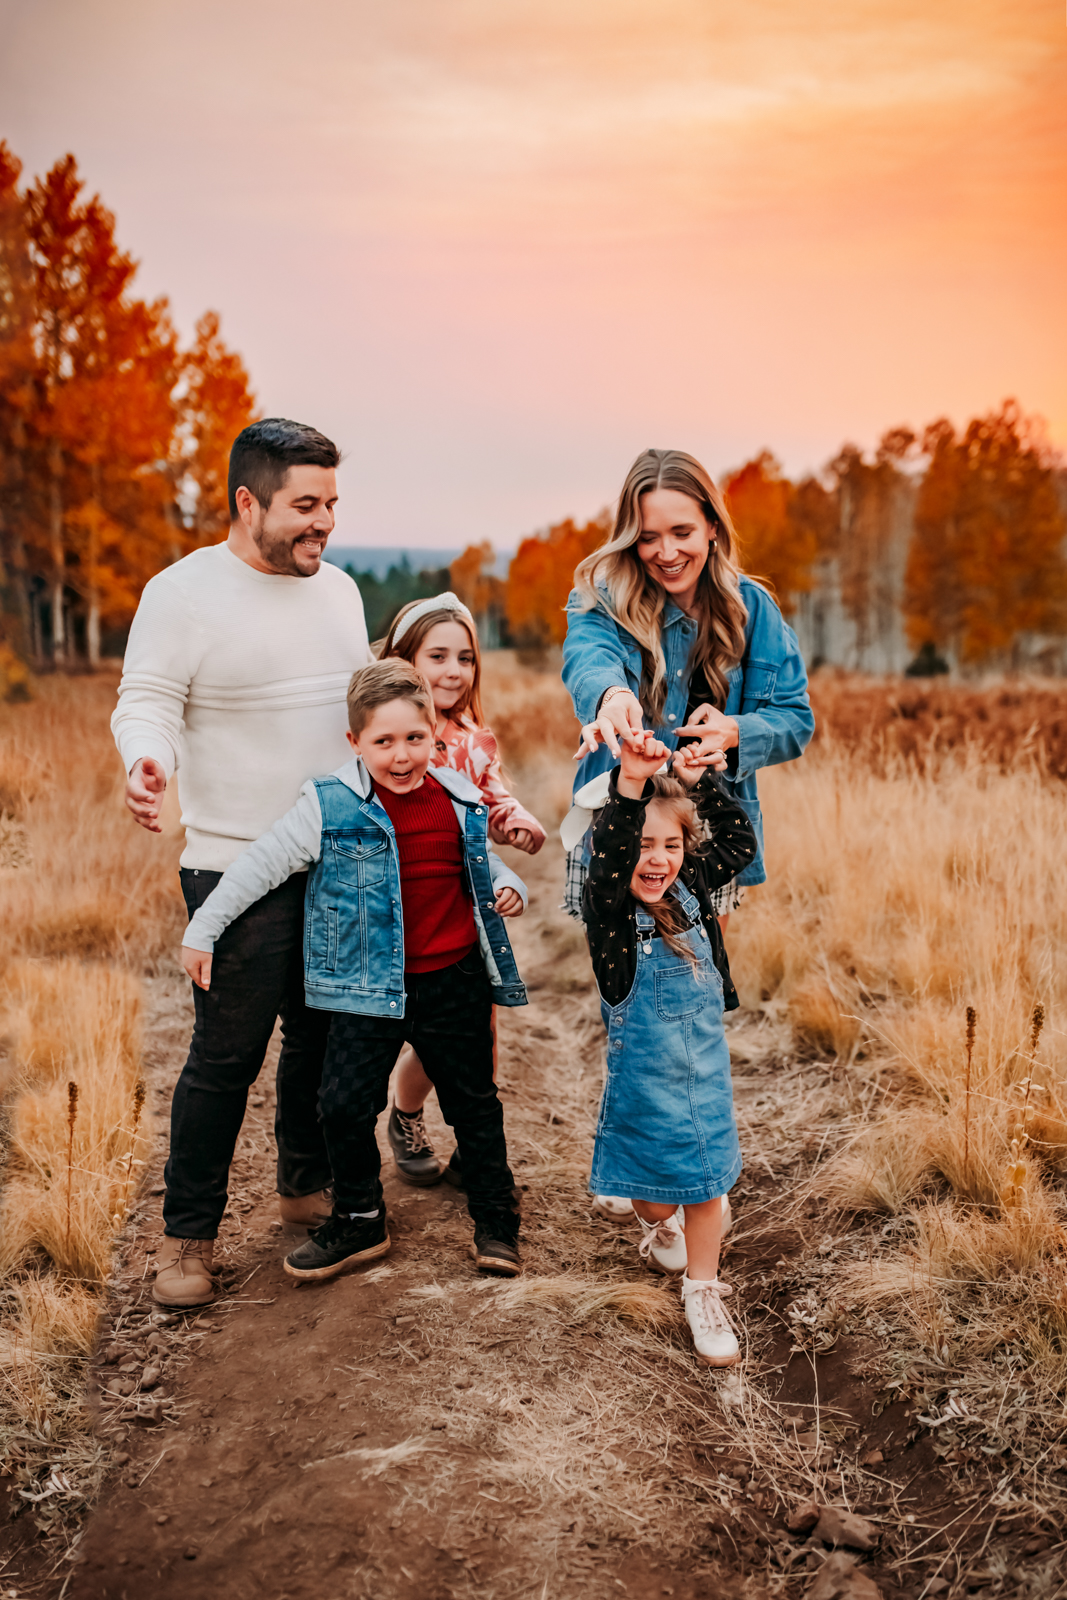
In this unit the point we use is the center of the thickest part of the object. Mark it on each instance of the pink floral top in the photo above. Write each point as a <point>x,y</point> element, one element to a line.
<point>473,751</point>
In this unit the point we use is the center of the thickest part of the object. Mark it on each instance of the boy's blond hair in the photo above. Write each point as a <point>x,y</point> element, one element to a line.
<point>382,681</point>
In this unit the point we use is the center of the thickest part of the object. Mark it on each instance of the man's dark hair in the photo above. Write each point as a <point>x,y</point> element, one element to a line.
<point>260,457</point>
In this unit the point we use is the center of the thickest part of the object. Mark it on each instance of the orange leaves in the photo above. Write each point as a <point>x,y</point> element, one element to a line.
<point>986,563</point>
<point>541,577</point>
<point>777,526</point>
<point>113,442</point>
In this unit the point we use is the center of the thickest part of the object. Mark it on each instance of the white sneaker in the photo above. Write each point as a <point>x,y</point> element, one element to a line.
<point>713,1337</point>
<point>612,1206</point>
<point>663,1245</point>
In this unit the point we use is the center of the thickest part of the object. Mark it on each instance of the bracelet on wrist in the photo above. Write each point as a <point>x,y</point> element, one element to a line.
<point>617,688</point>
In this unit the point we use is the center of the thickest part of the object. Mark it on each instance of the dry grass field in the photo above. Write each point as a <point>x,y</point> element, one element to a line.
<point>901,1079</point>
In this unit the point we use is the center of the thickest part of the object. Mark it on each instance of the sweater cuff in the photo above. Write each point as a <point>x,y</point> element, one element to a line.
<point>195,939</point>
<point>627,805</point>
<point>137,748</point>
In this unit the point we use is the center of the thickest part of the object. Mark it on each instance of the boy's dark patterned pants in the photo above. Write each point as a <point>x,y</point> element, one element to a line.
<point>448,1021</point>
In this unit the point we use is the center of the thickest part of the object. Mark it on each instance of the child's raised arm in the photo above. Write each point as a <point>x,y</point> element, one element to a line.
<point>730,840</point>
<point>295,841</point>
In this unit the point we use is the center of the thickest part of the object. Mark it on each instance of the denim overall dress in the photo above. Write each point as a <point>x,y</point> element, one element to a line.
<point>666,1129</point>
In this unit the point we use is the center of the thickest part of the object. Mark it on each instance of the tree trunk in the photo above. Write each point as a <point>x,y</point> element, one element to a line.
<point>92,632</point>
<point>59,635</point>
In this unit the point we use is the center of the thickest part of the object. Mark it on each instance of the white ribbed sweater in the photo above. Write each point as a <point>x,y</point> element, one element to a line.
<point>237,680</point>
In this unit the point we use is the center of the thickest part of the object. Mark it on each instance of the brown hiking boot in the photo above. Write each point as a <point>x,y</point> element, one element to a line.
<point>306,1211</point>
<point>183,1273</point>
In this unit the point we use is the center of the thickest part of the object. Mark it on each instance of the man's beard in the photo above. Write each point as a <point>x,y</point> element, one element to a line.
<point>277,551</point>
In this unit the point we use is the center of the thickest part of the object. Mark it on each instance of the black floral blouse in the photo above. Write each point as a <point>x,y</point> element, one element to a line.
<point>608,905</point>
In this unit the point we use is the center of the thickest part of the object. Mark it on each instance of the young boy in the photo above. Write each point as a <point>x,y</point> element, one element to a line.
<point>404,941</point>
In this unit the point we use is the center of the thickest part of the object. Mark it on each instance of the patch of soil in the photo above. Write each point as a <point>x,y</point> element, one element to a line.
<point>417,1432</point>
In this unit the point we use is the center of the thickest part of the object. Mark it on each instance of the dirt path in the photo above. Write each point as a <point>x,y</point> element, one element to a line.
<point>417,1431</point>
<point>412,1429</point>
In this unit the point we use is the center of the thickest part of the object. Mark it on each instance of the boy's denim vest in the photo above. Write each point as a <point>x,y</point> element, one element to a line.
<point>353,923</point>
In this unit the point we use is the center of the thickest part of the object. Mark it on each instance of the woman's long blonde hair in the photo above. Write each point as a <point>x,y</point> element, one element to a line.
<point>636,600</point>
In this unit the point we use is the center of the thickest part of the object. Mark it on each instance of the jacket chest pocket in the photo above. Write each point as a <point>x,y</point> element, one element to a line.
<point>757,687</point>
<point>360,858</point>
<point>681,991</point>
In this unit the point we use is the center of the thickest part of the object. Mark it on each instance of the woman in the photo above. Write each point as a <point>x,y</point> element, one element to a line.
<point>664,631</point>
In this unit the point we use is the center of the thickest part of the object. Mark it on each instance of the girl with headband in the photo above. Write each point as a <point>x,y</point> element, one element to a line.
<point>439,638</point>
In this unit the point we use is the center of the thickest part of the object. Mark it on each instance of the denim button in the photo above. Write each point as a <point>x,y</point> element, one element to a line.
<point>503,949</point>
<point>392,1005</point>
<point>489,905</point>
<point>477,811</point>
<point>671,717</point>
<point>479,858</point>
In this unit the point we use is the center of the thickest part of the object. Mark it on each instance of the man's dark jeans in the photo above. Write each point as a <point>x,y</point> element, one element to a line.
<point>448,1020</point>
<point>257,976</point>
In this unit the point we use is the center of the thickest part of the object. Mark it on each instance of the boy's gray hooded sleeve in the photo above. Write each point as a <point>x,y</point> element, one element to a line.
<point>292,845</point>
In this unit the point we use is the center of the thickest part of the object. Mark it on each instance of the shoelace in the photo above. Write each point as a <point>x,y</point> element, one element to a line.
<point>710,1313</point>
<point>663,1233</point>
<point>190,1247</point>
<point>414,1130</point>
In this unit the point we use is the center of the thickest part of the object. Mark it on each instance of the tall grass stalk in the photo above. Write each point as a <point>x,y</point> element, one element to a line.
<point>972,1018</point>
<point>72,1117</point>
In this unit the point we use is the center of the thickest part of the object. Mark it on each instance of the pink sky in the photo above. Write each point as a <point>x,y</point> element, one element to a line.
<point>497,247</point>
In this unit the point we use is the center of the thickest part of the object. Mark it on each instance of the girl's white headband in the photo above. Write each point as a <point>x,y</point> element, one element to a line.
<point>437,602</point>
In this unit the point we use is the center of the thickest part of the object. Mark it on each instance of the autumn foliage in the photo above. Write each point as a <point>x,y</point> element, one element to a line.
<point>980,566</point>
<point>113,439</point>
<point>987,560</point>
<point>541,576</point>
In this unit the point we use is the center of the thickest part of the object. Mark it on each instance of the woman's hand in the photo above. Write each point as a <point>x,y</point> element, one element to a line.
<point>716,733</point>
<point>620,716</point>
<point>508,903</point>
<point>197,964</point>
<point>642,756</point>
<point>689,765</point>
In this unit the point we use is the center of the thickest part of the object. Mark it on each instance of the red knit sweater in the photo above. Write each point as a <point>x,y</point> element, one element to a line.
<point>438,916</point>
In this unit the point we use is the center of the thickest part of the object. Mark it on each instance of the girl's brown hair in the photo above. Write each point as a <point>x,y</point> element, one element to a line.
<point>636,600</point>
<point>671,922</point>
<point>469,708</point>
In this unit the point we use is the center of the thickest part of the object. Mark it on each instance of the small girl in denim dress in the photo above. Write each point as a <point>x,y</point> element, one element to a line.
<point>666,1135</point>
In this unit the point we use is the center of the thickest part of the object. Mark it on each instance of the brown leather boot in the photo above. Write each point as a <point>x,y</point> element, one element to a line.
<point>306,1211</point>
<point>183,1273</point>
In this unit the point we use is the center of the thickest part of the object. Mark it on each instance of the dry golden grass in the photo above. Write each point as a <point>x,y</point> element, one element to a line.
<point>87,901</point>
<point>901,892</point>
<point>894,722</point>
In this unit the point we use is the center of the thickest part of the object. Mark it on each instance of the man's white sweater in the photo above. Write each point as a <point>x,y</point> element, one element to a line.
<point>237,680</point>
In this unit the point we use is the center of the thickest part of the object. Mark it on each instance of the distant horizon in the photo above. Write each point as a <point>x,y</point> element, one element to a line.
<point>379,558</point>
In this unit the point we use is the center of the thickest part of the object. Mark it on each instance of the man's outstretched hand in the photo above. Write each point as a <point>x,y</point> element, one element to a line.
<point>145,788</point>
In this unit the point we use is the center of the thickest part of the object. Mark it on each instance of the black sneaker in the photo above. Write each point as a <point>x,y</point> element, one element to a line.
<point>342,1242</point>
<point>495,1255</point>
<point>413,1153</point>
<point>453,1174</point>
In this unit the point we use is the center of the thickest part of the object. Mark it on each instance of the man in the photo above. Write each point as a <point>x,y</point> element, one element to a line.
<point>235,676</point>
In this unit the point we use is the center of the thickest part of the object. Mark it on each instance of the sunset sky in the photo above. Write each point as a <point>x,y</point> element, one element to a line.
<point>497,247</point>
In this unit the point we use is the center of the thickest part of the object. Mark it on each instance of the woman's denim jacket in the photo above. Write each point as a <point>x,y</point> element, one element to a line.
<point>768,691</point>
<point>353,919</point>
